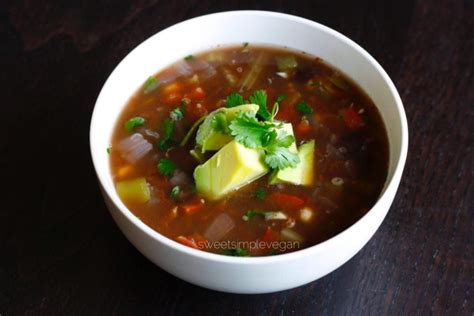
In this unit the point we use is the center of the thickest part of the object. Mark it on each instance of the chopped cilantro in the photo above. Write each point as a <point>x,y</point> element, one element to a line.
<point>246,44</point>
<point>166,167</point>
<point>176,114</point>
<point>168,130</point>
<point>150,84</point>
<point>251,214</point>
<point>260,98</point>
<point>281,97</point>
<point>174,192</point>
<point>219,123</point>
<point>278,157</point>
<point>184,104</point>
<point>260,193</point>
<point>236,252</point>
<point>134,122</point>
<point>189,57</point>
<point>252,133</point>
<point>304,108</point>
<point>109,150</point>
<point>233,100</point>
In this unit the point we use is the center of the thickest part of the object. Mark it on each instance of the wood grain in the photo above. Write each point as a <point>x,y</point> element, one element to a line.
<point>60,251</point>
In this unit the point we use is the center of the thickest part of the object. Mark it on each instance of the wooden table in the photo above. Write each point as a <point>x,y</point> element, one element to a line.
<point>60,251</point>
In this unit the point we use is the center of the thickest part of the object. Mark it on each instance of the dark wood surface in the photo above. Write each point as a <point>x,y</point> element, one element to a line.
<point>60,251</point>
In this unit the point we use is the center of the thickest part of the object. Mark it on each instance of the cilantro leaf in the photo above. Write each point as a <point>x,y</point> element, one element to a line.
<point>252,133</point>
<point>219,123</point>
<point>260,98</point>
<point>236,252</point>
<point>168,130</point>
<point>251,214</point>
<point>260,193</point>
<point>176,114</point>
<point>248,131</point>
<point>166,167</point>
<point>281,97</point>
<point>134,122</point>
<point>280,157</point>
<point>233,100</point>
<point>174,192</point>
<point>150,84</point>
<point>189,57</point>
<point>304,108</point>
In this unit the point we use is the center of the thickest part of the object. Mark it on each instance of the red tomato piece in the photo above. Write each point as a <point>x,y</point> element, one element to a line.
<point>286,201</point>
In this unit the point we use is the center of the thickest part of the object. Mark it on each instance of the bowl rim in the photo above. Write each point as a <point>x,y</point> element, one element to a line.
<point>308,251</point>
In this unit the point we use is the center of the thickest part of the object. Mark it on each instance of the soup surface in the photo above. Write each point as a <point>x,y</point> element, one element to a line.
<point>271,187</point>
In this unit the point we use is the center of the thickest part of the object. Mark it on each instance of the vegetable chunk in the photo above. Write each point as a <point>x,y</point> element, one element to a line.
<point>213,134</point>
<point>135,190</point>
<point>303,173</point>
<point>229,169</point>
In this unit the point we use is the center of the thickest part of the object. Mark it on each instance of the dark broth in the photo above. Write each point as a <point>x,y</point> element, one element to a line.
<point>351,156</point>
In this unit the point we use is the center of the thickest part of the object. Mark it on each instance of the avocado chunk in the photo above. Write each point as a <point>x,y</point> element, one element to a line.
<point>213,132</point>
<point>232,167</point>
<point>303,173</point>
<point>287,128</point>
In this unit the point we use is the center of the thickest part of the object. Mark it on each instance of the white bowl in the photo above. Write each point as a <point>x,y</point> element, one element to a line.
<point>234,274</point>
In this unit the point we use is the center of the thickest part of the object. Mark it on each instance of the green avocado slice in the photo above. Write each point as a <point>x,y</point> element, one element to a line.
<point>232,167</point>
<point>212,134</point>
<point>303,173</point>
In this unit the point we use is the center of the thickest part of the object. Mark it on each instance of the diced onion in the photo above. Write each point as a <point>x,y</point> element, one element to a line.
<point>282,74</point>
<point>270,216</point>
<point>134,147</point>
<point>290,234</point>
<point>306,214</point>
<point>337,181</point>
<point>220,227</point>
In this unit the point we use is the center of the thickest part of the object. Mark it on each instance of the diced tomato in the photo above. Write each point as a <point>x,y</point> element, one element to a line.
<point>172,99</point>
<point>352,118</point>
<point>193,206</point>
<point>269,235</point>
<point>197,94</point>
<point>286,201</point>
<point>303,129</point>
<point>187,241</point>
<point>172,87</point>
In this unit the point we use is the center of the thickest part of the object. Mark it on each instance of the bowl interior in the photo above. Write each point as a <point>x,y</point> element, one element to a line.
<point>237,27</point>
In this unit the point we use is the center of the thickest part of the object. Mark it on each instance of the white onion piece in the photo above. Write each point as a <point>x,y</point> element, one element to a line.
<point>290,234</point>
<point>181,69</point>
<point>270,216</point>
<point>134,147</point>
<point>220,227</point>
<point>206,69</point>
<point>282,74</point>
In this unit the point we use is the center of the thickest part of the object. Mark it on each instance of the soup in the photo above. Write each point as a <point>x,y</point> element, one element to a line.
<point>249,151</point>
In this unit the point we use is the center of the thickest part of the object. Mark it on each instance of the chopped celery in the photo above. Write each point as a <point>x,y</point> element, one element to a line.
<point>286,63</point>
<point>191,131</point>
<point>289,234</point>
<point>215,57</point>
<point>339,82</point>
<point>249,79</point>
<point>198,155</point>
<point>134,190</point>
